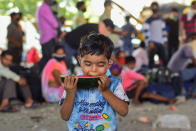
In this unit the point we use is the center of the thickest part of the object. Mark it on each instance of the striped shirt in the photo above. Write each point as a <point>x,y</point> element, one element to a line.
<point>154,29</point>
<point>189,25</point>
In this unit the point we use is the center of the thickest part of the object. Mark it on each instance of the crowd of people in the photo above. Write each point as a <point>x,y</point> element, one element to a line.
<point>136,66</point>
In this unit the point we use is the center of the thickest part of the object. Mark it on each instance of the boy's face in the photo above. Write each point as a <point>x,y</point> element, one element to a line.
<point>6,60</point>
<point>94,65</point>
<point>121,55</point>
<point>131,65</point>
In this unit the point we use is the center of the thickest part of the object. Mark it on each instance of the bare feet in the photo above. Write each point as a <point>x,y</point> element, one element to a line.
<point>29,102</point>
<point>172,101</point>
<point>136,102</point>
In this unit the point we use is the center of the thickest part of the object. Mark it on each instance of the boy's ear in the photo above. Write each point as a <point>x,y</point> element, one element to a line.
<point>79,60</point>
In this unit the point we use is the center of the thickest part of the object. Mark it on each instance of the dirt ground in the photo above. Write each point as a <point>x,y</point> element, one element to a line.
<point>47,118</point>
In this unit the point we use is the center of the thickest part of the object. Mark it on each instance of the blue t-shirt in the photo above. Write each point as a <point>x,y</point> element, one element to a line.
<point>92,112</point>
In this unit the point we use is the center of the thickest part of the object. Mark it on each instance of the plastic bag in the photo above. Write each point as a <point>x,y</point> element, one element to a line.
<point>173,121</point>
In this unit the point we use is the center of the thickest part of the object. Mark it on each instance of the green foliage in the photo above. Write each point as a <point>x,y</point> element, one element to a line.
<point>29,7</point>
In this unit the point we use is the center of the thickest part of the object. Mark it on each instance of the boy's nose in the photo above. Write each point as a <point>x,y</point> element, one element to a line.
<point>94,68</point>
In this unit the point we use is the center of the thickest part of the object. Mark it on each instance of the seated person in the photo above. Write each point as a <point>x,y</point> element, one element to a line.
<point>51,83</point>
<point>120,58</point>
<point>178,64</point>
<point>115,70</point>
<point>135,84</point>
<point>119,62</point>
<point>141,57</point>
<point>8,80</point>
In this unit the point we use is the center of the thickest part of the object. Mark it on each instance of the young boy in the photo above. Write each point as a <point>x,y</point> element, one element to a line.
<point>94,109</point>
<point>135,85</point>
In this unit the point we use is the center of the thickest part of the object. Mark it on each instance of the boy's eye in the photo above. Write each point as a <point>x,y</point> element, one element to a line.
<point>101,65</point>
<point>87,64</point>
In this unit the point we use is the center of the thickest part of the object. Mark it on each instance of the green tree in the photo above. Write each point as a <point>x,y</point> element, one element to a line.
<point>29,7</point>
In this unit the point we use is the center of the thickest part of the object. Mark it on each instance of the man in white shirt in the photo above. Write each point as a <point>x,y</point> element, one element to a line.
<point>141,57</point>
<point>8,80</point>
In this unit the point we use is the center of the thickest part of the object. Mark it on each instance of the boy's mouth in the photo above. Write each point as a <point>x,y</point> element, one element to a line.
<point>93,74</point>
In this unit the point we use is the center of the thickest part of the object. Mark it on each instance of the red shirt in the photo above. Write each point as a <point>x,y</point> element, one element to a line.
<point>189,25</point>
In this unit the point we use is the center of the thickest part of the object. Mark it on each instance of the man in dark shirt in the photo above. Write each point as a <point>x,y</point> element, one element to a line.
<point>72,39</point>
<point>15,38</point>
<point>127,45</point>
<point>172,24</point>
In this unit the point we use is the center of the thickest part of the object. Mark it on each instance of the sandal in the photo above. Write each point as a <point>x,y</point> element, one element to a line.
<point>32,106</point>
<point>9,109</point>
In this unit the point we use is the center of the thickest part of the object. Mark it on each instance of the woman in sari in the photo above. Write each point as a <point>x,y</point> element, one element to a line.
<point>51,83</point>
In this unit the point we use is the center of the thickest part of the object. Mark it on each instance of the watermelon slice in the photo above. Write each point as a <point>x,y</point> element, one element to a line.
<point>85,81</point>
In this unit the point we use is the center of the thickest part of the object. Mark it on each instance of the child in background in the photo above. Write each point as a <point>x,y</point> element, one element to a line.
<point>51,84</point>
<point>115,70</point>
<point>135,85</point>
<point>94,109</point>
<point>141,56</point>
<point>119,62</point>
<point>120,58</point>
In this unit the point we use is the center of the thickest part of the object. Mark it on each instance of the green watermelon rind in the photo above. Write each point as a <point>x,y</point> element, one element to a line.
<point>85,82</point>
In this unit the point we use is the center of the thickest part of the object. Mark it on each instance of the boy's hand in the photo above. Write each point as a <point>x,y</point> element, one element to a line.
<point>70,83</point>
<point>104,82</point>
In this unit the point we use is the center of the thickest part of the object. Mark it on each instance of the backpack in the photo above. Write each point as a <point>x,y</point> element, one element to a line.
<point>159,75</point>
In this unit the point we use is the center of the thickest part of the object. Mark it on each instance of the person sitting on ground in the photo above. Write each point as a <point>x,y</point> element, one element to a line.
<point>51,83</point>
<point>8,80</point>
<point>135,84</point>
<point>95,108</point>
<point>118,63</point>
<point>115,70</point>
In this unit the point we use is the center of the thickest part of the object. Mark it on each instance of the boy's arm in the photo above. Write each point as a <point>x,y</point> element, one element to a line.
<point>120,106</point>
<point>67,105</point>
<point>69,85</point>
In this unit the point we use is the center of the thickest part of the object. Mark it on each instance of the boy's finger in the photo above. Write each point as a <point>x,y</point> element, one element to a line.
<point>103,80</point>
<point>72,80</point>
<point>100,83</point>
<point>66,81</point>
<point>76,81</point>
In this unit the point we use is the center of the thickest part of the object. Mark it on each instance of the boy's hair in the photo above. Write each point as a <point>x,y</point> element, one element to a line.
<point>118,53</point>
<point>79,4</point>
<point>154,4</point>
<point>107,3</point>
<point>12,15</point>
<point>6,52</point>
<point>57,47</point>
<point>130,59</point>
<point>108,23</point>
<point>193,2</point>
<point>174,10</point>
<point>142,44</point>
<point>96,44</point>
<point>127,18</point>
